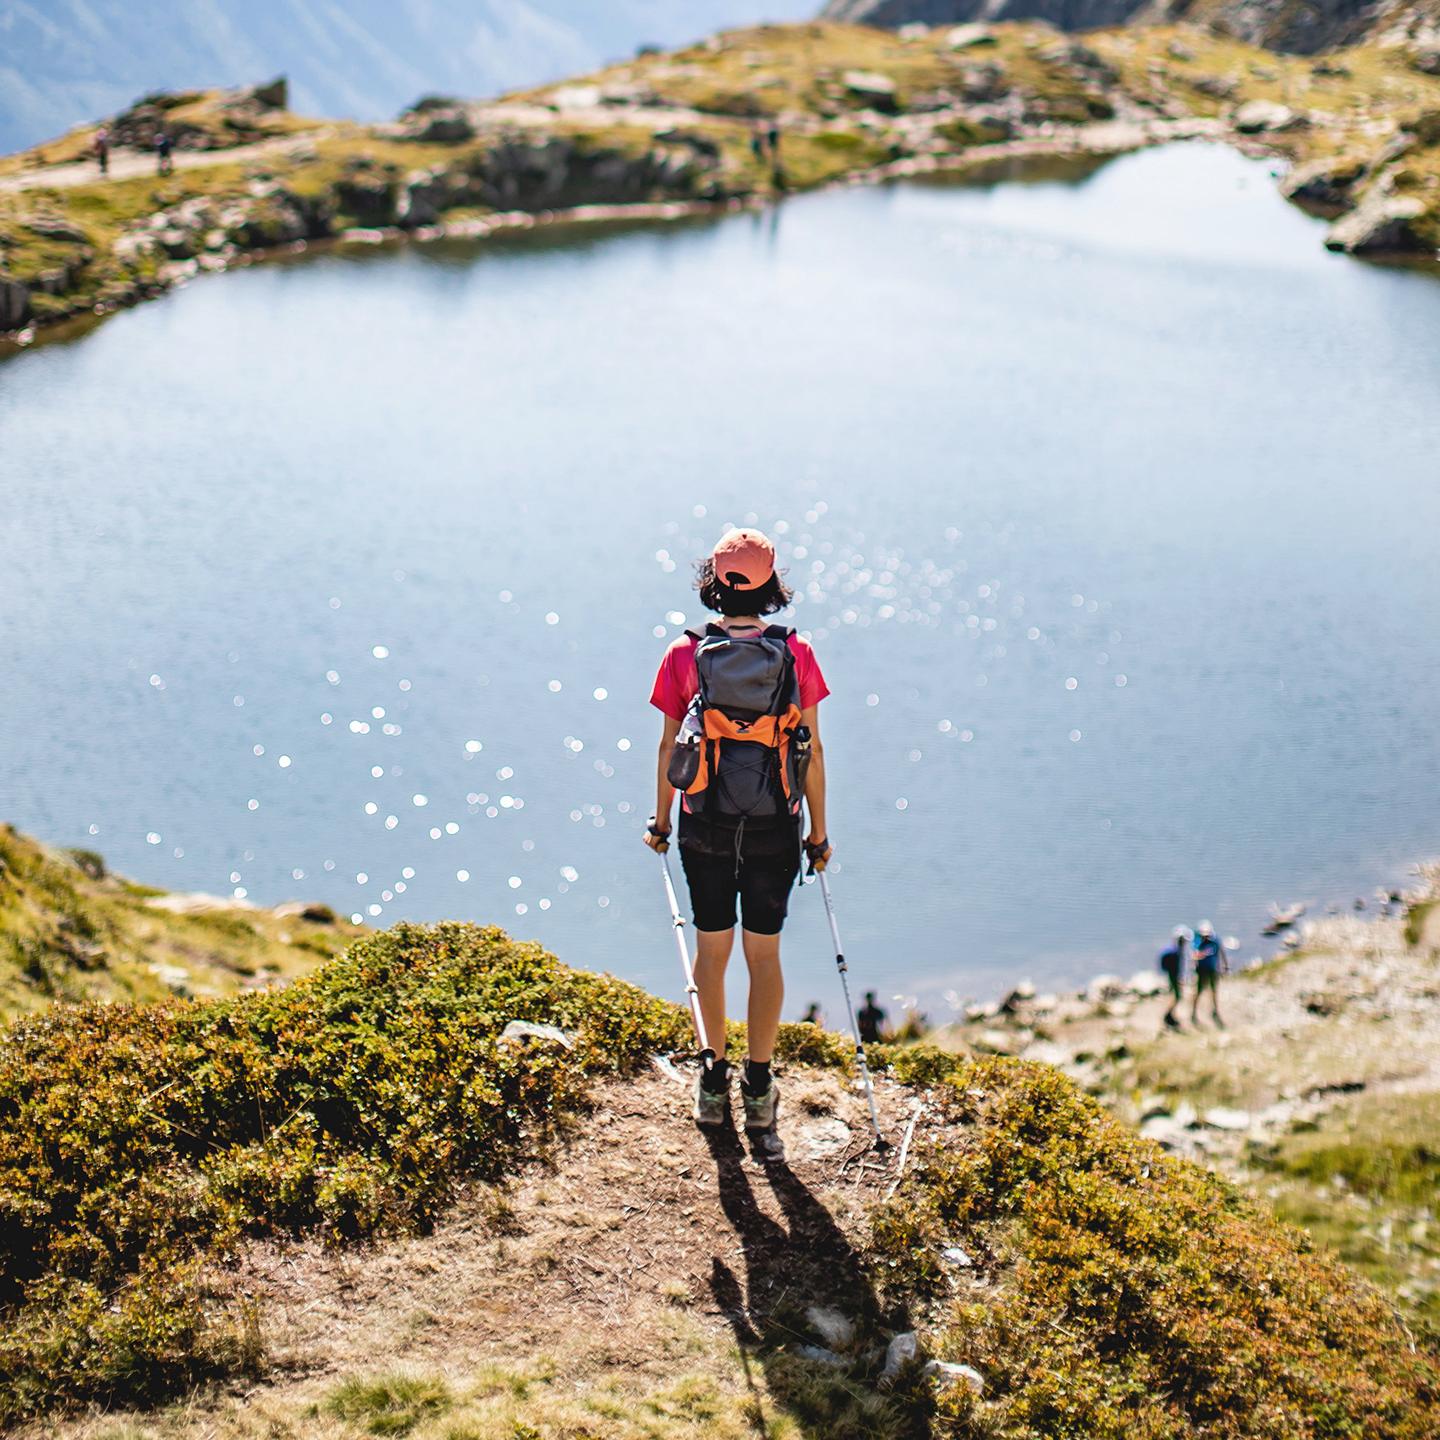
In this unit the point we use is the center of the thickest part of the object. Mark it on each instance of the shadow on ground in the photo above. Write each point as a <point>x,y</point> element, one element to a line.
<point>827,1385</point>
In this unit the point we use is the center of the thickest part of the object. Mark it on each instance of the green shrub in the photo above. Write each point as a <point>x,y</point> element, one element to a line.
<point>135,1140</point>
<point>1138,1295</point>
<point>390,1404</point>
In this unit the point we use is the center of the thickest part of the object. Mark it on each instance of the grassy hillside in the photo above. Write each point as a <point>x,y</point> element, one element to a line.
<point>71,931</point>
<point>1095,1286</point>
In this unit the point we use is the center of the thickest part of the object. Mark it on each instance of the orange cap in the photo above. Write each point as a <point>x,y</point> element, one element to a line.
<point>744,559</point>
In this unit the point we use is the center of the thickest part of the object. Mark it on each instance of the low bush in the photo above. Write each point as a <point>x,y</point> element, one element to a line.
<point>137,1141</point>
<point>1134,1296</point>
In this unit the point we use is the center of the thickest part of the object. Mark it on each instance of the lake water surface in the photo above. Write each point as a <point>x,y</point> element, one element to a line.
<point>1112,506</point>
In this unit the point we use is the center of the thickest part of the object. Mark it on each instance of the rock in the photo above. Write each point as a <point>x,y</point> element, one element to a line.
<point>916,30</point>
<point>14,304</point>
<point>575,97</point>
<point>1046,1052</point>
<point>1178,50</point>
<point>982,84</point>
<point>900,1352</point>
<point>664,1065</point>
<point>1104,987</point>
<point>526,1030</point>
<point>52,227</point>
<point>1220,87</point>
<point>955,1255</point>
<point>422,197</point>
<point>1427,60</point>
<point>1146,982</point>
<point>969,37</point>
<point>273,96</point>
<point>450,128</point>
<point>995,1042</point>
<point>1220,1117</point>
<point>818,1355</point>
<point>1380,224</point>
<point>826,1136</point>
<point>1256,116</point>
<point>1324,186</point>
<point>176,243</point>
<point>837,1330</point>
<point>947,1372</point>
<point>878,91</point>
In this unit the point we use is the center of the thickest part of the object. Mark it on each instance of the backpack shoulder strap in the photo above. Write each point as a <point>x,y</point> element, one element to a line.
<point>779,632</point>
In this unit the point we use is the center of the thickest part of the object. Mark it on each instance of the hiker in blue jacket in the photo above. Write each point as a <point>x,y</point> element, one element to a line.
<point>1211,962</point>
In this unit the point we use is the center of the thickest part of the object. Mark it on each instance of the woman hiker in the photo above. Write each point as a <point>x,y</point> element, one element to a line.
<point>741,739</point>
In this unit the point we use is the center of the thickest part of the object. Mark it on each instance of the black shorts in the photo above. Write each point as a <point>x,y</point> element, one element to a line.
<point>761,876</point>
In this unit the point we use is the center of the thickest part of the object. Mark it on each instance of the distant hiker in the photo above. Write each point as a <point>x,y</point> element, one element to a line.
<point>772,140</point>
<point>871,1020</point>
<point>757,142</point>
<point>165,163</point>
<point>102,149</point>
<point>1211,962</point>
<point>1172,963</point>
<point>812,1015</point>
<point>741,741</point>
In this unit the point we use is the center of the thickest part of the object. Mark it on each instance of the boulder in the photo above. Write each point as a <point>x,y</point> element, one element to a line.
<point>835,1329</point>
<point>1323,186</point>
<point>947,1372</point>
<point>422,198</point>
<point>14,304</point>
<point>449,127</point>
<point>275,95</point>
<point>1104,987</point>
<point>1382,224</point>
<point>1427,60</point>
<point>900,1352</point>
<point>876,90</point>
<point>527,1030</point>
<point>998,1042</point>
<point>53,227</point>
<point>1255,117</point>
<point>1221,1117</point>
<point>969,37</point>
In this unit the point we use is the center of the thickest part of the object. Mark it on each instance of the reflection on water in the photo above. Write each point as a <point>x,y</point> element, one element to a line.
<point>348,579</point>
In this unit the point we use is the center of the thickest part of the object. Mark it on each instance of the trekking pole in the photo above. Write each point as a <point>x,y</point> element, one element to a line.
<point>880,1141</point>
<point>692,993</point>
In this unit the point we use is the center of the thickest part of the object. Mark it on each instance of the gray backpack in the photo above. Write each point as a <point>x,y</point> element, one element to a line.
<point>740,751</point>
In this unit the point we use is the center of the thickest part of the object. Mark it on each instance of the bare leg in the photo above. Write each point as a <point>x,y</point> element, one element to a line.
<point>712,954</point>
<point>767,992</point>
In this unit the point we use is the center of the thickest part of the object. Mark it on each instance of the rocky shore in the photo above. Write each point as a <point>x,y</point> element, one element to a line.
<point>670,135</point>
<point>1321,1093</point>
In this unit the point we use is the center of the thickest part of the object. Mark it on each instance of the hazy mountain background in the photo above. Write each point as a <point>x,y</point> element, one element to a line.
<point>65,61</point>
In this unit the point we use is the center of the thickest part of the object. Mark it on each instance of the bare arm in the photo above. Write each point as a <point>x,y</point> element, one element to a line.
<point>664,790</point>
<point>815,776</point>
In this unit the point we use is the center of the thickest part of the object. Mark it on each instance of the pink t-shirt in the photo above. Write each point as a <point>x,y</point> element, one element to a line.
<point>678,682</point>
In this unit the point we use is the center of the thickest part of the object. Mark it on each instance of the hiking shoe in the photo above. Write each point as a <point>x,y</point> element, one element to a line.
<point>712,1107</point>
<point>760,1110</point>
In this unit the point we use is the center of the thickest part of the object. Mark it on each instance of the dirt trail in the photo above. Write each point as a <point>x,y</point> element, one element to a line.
<point>128,164</point>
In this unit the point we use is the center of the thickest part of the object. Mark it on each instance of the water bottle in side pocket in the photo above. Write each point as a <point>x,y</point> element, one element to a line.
<point>684,763</point>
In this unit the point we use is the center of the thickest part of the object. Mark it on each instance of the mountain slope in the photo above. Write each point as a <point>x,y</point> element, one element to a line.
<point>170,1179</point>
<point>63,61</point>
<point>69,931</point>
<point>1302,27</point>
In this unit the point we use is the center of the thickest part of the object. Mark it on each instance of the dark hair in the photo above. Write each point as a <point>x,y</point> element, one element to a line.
<point>725,599</point>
